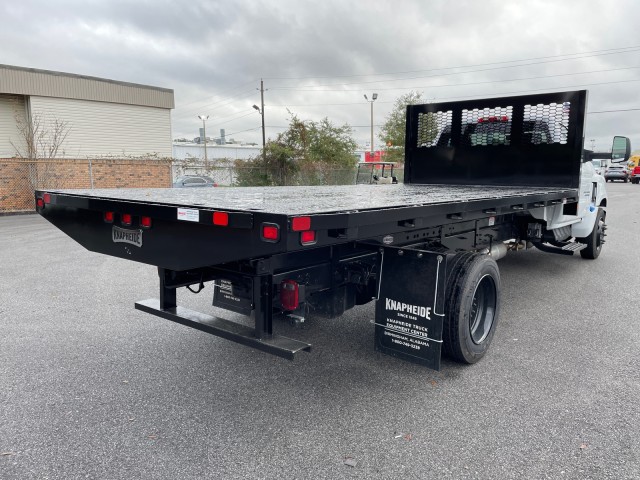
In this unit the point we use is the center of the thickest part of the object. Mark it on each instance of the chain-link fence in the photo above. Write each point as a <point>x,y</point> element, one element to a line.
<point>233,175</point>
<point>20,177</point>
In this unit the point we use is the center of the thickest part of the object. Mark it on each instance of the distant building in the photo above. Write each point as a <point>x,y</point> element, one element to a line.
<point>189,151</point>
<point>108,125</point>
<point>105,117</point>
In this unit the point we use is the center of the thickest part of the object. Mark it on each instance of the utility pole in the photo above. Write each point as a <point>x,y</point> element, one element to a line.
<point>204,118</point>
<point>260,110</point>
<point>264,154</point>
<point>374,97</point>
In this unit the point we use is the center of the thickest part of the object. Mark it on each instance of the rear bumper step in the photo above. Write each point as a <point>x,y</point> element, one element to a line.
<point>276,345</point>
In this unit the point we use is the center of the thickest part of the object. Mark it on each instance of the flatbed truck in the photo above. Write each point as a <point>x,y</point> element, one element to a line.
<point>482,177</point>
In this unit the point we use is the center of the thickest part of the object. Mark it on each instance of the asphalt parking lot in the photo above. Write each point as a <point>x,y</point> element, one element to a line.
<point>91,388</point>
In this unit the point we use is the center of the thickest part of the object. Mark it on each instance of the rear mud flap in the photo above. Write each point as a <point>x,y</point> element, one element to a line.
<point>410,305</point>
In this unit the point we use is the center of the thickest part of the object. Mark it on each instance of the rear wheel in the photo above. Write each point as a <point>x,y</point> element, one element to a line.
<point>473,305</point>
<point>595,240</point>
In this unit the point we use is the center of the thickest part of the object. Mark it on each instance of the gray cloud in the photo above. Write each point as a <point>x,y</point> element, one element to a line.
<point>213,54</point>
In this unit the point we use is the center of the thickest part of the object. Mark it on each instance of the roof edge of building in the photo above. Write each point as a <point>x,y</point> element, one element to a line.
<point>85,77</point>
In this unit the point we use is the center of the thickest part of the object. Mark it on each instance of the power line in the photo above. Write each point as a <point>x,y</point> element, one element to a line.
<point>218,104</point>
<point>379,125</point>
<point>224,92</point>
<point>613,50</point>
<point>567,87</point>
<point>281,127</point>
<point>483,82</point>
<point>468,96</point>
<point>611,111</point>
<point>242,131</point>
<point>228,101</point>
<point>440,74</point>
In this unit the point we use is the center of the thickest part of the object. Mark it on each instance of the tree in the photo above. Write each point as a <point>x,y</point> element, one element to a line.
<point>39,140</point>
<point>393,131</point>
<point>305,154</point>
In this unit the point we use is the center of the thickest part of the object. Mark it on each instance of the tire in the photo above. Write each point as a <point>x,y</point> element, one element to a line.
<point>595,240</point>
<point>626,180</point>
<point>473,306</point>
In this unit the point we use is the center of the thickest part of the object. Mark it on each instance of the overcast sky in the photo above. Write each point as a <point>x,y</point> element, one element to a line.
<point>319,58</point>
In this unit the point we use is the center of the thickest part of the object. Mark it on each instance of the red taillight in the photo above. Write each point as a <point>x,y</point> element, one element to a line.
<point>270,232</point>
<point>39,202</point>
<point>145,222</point>
<point>221,219</point>
<point>300,224</point>
<point>47,198</point>
<point>308,237</point>
<point>125,219</point>
<point>289,298</point>
<point>492,119</point>
<point>108,217</point>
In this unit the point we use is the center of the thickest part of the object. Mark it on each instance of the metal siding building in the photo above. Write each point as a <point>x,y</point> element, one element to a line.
<point>99,128</point>
<point>12,112</point>
<point>105,118</point>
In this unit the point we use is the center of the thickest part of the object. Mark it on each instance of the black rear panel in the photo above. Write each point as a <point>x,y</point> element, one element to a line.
<point>168,243</point>
<point>531,140</point>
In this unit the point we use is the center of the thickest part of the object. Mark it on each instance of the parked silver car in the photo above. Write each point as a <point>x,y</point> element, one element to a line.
<point>190,181</point>
<point>616,172</point>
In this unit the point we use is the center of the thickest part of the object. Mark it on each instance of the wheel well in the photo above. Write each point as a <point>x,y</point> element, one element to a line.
<point>603,203</point>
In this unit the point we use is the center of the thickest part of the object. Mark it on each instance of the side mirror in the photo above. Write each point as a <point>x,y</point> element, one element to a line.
<point>620,150</point>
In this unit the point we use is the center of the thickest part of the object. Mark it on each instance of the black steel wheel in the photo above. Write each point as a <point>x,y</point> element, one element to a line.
<point>595,240</point>
<point>473,306</point>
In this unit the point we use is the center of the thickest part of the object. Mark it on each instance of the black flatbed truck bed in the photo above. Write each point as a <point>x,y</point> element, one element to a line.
<point>337,213</point>
<point>329,243</point>
<point>322,200</point>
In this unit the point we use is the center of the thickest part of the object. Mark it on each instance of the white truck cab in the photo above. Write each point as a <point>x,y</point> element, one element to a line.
<point>587,225</point>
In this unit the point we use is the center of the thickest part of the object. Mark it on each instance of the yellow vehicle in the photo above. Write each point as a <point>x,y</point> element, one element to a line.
<point>633,162</point>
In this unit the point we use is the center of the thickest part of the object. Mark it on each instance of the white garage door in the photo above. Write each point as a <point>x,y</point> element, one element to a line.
<point>11,112</point>
<point>97,129</point>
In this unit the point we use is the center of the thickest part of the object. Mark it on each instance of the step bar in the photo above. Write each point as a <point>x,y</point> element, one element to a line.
<point>276,345</point>
<point>568,249</point>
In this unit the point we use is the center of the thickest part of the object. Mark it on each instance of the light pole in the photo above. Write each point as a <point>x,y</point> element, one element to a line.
<point>204,118</point>
<point>374,97</point>
<point>261,112</point>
